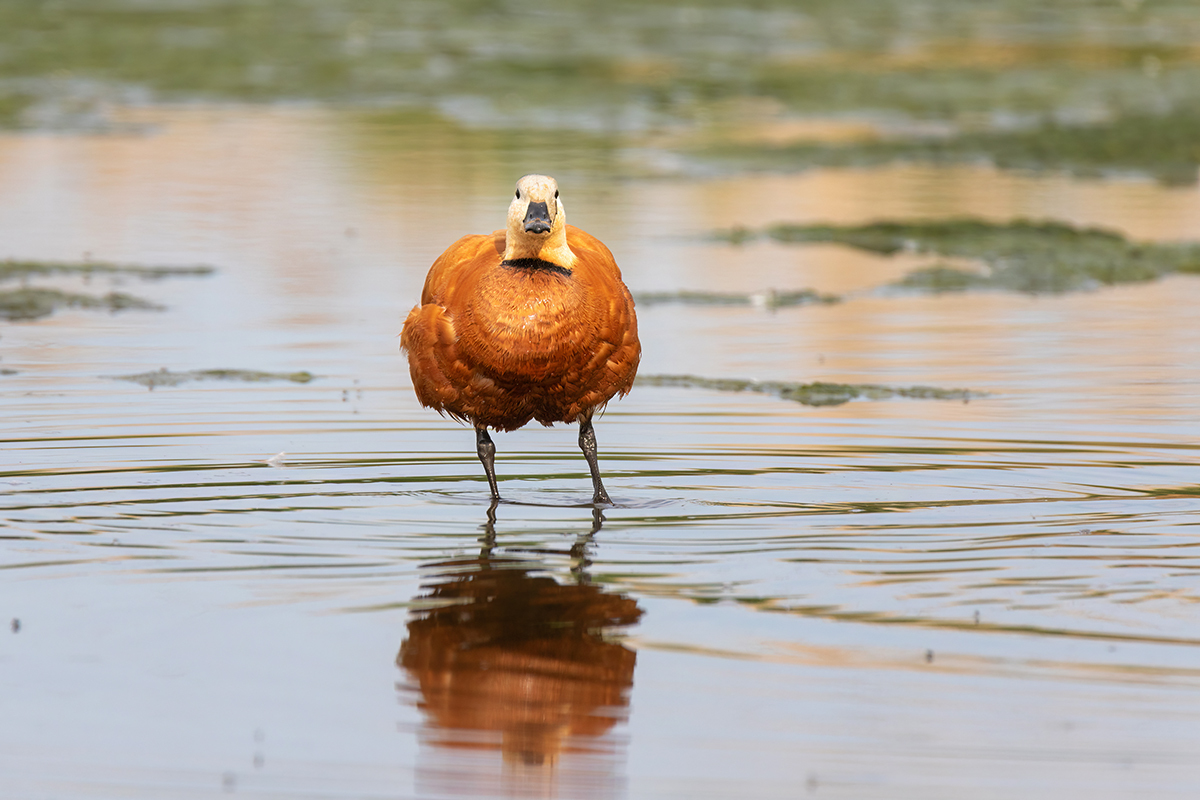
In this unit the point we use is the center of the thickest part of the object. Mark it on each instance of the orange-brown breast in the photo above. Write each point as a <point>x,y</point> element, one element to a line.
<point>500,345</point>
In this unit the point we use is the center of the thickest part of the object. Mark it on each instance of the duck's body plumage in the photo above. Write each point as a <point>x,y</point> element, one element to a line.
<point>500,344</point>
<point>517,326</point>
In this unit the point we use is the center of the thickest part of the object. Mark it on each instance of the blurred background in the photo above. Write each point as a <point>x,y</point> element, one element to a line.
<point>905,497</point>
<point>1088,86</point>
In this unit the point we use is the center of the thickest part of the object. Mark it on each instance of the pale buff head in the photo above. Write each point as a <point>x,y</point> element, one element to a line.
<point>537,222</point>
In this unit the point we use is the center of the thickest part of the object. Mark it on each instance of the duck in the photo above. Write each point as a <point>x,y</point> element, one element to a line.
<point>530,322</point>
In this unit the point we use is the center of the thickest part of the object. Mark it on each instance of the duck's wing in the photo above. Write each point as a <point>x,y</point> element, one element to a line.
<point>610,311</point>
<point>439,374</point>
<point>459,268</point>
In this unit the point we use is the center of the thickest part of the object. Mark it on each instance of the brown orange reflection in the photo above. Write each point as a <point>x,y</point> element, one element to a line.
<point>506,657</point>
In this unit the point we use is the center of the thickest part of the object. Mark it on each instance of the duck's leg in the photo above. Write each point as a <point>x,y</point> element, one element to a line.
<point>487,454</point>
<point>587,443</point>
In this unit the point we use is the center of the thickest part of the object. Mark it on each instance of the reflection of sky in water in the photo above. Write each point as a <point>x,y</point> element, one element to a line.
<point>179,597</point>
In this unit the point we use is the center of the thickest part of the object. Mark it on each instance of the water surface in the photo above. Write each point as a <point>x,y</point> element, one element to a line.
<point>228,586</point>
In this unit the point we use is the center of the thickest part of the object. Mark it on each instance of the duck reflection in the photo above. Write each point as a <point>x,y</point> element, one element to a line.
<point>506,657</point>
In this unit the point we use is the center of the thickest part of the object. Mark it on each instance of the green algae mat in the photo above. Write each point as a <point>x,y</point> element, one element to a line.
<point>1022,255</point>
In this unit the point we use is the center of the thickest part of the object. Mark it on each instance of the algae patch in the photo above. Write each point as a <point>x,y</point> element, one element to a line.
<point>1022,255</point>
<point>12,269</point>
<point>166,377</point>
<point>941,278</point>
<point>34,303</point>
<point>31,302</point>
<point>818,393</point>
<point>771,298</point>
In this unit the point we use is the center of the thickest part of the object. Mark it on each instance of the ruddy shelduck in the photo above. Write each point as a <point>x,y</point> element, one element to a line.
<point>530,322</point>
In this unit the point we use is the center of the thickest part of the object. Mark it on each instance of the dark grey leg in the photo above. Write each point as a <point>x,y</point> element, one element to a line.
<point>487,454</point>
<point>587,443</point>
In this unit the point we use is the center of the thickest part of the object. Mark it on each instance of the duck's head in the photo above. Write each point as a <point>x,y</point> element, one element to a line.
<point>537,221</point>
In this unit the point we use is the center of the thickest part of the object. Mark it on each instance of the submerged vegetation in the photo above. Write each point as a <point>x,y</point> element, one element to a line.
<point>811,394</point>
<point>11,269</point>
<point>1022,255</point>
<point>34,303</point>
<point>771,298</point>
<point>166,377</point>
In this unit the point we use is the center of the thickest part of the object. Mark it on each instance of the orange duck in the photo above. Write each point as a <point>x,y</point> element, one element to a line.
<point>531,322</point>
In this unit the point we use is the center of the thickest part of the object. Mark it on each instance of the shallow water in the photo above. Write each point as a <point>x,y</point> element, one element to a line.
<point>221,587</point>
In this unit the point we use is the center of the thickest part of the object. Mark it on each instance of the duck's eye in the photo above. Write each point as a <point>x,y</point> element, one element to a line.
<point>556,194</point>
<point>518,194</point>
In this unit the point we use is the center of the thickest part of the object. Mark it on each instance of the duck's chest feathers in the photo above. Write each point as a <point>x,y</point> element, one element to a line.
<point>524,313</point>
<point>537,301</point>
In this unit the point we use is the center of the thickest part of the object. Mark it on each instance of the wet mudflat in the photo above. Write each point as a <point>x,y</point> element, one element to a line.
<point>906,504</point>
